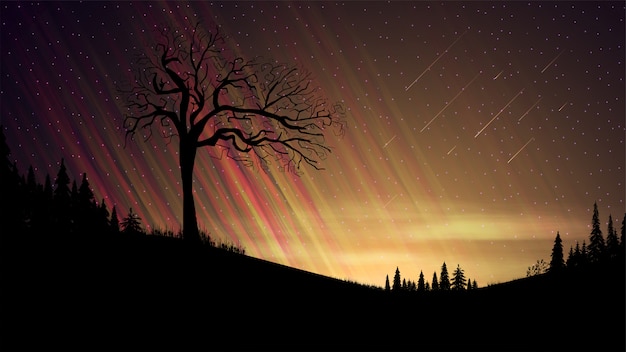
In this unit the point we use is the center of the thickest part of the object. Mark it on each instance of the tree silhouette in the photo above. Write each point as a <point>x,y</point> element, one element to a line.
<point>621,241</point>
<point>62,198</point>
<point>435,284</point>
<point>251,111</point>
<point>612,241</point>
<point>131,224</point>
<point>557,262</point>
<point>596,241</point>
<point>444,280</point>
<point>540,267</point>
<point>397,284</point>
<point>387,287</point>
<point>114,222</point>
<point>421,285</point>
<point>458,279</point>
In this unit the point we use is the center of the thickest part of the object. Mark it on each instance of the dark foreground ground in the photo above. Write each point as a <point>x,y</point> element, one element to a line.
<point>159,293</point>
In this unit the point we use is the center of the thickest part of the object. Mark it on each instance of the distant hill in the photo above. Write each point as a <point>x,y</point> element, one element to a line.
<point>144,292</point>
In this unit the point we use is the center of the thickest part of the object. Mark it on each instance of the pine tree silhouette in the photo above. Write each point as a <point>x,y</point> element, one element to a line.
<point>397,284</point>
<point>387,287</point>
<point>434,286</point>
<point>444,280</point>
<point>421,286</point>
<point>115,223</point>
<point>612,241</point>
<point>596,241</point>
<point>131,224</point>
<point>621,241</point>
<point>62,200</point>
<point>557,263</point>
<point>458,280</point>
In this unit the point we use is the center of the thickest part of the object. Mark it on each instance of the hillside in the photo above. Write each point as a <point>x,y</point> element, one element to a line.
<point>149,292</point>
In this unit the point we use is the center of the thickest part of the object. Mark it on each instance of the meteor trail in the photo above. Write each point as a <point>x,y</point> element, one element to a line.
<point>391,200</point>
<point>499,112</point>
<point>527,111</point>
<point>450,151</point>
<point>450,102</point>
<point>520,149</point>
<point>389,141</point>
<point>498,75</point>
<point>551,62</point>
<point>434,62</point>
<point>563,106</point>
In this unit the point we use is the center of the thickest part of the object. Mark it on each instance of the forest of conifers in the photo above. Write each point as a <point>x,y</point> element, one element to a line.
<point>76,275</point>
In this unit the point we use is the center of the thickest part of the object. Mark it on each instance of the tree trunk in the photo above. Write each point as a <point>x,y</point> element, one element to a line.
<point>187,159</point>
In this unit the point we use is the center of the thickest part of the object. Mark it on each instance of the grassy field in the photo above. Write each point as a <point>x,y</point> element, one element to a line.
<point>161,293</point>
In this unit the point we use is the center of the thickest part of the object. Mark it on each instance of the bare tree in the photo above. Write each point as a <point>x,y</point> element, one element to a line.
<point>254,111</point>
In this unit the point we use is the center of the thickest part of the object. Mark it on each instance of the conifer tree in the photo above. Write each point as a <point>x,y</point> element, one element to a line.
<point>435,284</point>
<point>103,223</point>
<point>404,286</point>
<point>62,199</point>
<point>387,287</point>
<point>427,286</point>
<point>474,285</point>
<point>397,283</point>
<point>584,254</point>
<point>115,222</point>
<point>458,280</point>
<point>596,249</point>
<point>421,286</point>
<point>612,242</point>
<point>9,189</point>
<point>571,258</point>
<point>621,241</point>
<point>444,280</point>
<point>131,224</point>
<point>469,284</point>
<point>557,263</point>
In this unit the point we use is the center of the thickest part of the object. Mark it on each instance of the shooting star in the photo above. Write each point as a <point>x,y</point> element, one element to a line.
<point>391,200</point>
<point>450,151</point>
<point>527,111</point>
<point>520,149</point>
<point>450,102</point>
<point>563,106</point>
<point>551,62</point>
<point>434,62</point>
<point>498,75</point>
<point>499,112</point>
<point>386,144</point>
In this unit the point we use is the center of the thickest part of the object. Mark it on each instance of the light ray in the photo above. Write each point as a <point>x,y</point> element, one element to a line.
<point>450,102</point>
<point>520,149</point>
<point>498,114</point>
<point>551,62</point>
<point>450,151</point>
<point>389,141</point>
<point>391,200</point>
<point>527,111</point>
<point>434,62</point>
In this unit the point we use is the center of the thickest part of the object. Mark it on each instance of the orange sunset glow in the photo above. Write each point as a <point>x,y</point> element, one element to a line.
<point>475,131</point>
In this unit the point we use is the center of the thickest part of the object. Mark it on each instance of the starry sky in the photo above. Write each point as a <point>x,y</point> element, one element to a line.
<point>475,130</point>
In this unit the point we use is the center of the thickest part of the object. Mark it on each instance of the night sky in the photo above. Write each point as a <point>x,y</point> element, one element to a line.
<point>475,130</point>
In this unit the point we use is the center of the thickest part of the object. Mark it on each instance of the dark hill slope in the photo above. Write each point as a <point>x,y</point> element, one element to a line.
<point>160,293</point>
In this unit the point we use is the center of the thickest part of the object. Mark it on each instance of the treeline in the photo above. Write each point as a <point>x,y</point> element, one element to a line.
<point>66,207</point>
<point>598,251</point>
<point>457,282</point>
